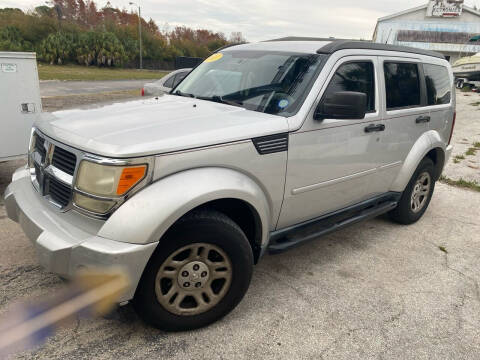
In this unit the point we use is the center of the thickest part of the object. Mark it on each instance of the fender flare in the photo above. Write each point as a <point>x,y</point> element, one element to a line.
<point>428,141</point>
<point>151,212</point>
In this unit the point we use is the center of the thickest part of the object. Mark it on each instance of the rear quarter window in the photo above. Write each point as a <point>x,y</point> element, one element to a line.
<point>438,84</point>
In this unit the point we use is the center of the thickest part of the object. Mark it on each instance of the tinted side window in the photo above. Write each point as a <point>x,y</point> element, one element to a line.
<point>438,84</point>
<point>354,76</point>
<point>169,82</point>
<point>402,85</point>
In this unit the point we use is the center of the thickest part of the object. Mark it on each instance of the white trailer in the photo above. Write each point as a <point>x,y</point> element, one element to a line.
<point>20,102</point>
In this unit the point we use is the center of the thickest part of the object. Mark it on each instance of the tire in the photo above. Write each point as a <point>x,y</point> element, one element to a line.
<point>211,240</point>
<point>408,210</point>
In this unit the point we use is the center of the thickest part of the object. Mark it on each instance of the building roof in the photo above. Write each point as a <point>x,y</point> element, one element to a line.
<point>421,7</point>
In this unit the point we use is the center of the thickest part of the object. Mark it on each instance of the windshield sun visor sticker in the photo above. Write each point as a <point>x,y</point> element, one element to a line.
<point>214,57</point>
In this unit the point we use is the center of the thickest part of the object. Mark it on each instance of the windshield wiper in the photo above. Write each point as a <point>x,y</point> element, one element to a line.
<point>179,93</point>
<point>220,99</point>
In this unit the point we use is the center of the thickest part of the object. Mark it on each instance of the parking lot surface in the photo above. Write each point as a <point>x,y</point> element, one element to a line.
<point>374,290</point>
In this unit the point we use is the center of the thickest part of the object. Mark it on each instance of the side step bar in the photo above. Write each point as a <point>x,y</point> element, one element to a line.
<point>284,239</point>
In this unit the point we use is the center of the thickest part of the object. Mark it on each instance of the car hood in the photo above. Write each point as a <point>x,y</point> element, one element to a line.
<point>154,126</point>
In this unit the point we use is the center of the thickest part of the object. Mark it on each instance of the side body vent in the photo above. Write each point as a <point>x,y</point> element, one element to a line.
<point>271,144</point>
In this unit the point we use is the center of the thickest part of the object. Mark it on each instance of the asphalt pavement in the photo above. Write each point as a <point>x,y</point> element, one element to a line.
<point>62,88</point>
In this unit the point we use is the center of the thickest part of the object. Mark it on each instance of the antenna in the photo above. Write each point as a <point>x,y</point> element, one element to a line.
<point>388,37</point>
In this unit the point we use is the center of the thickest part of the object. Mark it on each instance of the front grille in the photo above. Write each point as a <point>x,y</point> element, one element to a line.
<point>60,193</point>
<point>64,160</point>
<point>49,172</point>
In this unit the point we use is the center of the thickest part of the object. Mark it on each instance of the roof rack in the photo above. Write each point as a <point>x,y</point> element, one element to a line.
<point>368,45</point>
<point>343,44</point>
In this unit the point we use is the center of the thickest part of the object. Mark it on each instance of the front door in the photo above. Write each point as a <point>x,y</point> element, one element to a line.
<point>332,163</point>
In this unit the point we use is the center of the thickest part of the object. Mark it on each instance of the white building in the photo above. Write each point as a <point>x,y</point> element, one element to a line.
<point>445,26</point>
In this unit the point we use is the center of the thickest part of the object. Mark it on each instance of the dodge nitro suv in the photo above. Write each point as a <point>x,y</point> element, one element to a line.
<point>260,148</point>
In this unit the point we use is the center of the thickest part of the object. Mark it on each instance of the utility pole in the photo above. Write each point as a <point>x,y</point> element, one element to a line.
<point>139,32</point>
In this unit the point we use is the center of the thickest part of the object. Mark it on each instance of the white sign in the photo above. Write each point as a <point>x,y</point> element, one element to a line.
<point>9,68</point>
<point>444,8</point>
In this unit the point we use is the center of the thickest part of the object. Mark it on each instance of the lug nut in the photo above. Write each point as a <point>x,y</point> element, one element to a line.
<point>186,284</point>
<point>196,267</point>
<point>198,284</point>
<point>185,273</point>
<point>204,273</point>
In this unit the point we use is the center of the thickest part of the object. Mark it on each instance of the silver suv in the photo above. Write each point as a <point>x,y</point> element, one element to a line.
<point>262,147</point>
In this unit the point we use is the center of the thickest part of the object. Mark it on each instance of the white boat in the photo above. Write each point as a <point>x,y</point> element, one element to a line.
<point>467,68</point>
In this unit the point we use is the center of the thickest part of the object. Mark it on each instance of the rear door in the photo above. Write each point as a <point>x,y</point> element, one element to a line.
<point>406,113</point>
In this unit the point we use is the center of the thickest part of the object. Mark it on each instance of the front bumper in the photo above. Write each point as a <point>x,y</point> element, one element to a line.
<point>67,241</point>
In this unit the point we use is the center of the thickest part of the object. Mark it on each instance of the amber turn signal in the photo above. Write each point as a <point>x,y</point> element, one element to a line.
<point>129,178</point>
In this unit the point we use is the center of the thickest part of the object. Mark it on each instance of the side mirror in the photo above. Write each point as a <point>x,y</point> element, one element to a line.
<point>342,105</point>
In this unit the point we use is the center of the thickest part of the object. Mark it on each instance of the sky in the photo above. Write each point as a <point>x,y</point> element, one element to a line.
<point>264,19</point>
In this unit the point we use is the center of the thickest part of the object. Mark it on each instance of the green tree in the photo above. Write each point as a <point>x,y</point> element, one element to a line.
<point>56,48</point>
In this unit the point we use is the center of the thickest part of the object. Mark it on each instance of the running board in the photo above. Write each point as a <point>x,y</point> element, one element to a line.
<point>284,239</point>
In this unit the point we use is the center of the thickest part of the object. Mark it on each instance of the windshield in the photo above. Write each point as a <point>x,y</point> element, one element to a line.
<point>270,82</point>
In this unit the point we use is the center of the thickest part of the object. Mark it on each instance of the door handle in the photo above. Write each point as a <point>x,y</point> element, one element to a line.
<point>373,128</point>
<point>422,119</point>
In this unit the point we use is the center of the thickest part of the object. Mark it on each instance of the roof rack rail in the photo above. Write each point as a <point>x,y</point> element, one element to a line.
<point>368,45</point>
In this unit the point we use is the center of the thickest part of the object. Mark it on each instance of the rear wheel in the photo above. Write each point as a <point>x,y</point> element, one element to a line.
<point>417,195</point>
<point>200,271</point>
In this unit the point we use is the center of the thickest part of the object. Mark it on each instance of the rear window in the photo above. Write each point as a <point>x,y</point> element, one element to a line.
<point>438,84</point>
<point>402,85</point>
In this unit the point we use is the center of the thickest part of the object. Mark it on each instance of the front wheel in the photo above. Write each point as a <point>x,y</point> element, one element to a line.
<point>200,271</point>
<point>417,195</point>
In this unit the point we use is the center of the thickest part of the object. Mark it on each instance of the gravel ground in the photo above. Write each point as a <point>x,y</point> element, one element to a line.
<point>467,132</point>
<point>374,290</point>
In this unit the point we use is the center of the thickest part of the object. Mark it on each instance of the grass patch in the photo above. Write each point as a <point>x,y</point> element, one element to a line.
<point>476,145</point>
<point>472,185</point>
<point>77,72</point>
<point>458,158</point>
<point>471,151</point>
<point>476,103</point>
<point>442,248</point>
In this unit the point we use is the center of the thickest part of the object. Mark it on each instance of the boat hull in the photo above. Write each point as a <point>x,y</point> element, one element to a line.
<point>467,71</point>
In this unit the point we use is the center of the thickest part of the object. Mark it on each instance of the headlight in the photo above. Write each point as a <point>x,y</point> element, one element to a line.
<point>108,180</point>
<point>94,205</point>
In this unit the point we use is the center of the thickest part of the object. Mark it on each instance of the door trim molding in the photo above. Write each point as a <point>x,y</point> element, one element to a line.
<point>332,181</point>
